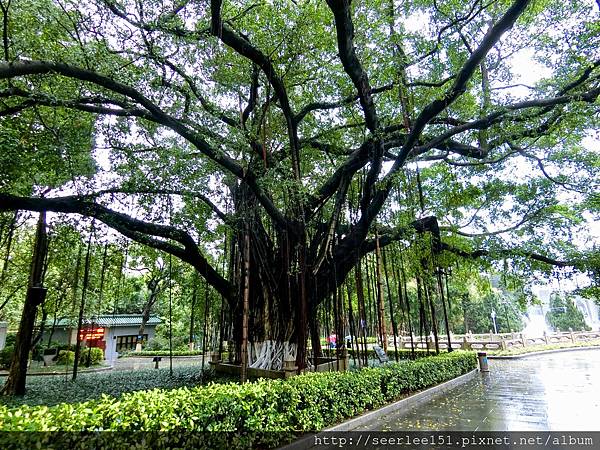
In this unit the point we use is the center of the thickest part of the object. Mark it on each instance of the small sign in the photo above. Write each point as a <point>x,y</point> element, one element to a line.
<point>91,334</point>
<point>381,354</point>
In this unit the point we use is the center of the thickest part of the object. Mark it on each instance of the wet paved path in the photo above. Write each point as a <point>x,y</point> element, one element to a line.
<point>558,391</point>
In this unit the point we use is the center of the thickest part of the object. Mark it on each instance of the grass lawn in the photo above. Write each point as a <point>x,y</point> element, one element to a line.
<point>541,348</point>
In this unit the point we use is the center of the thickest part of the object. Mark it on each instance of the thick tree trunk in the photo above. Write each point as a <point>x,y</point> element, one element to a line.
<point>36,293</point>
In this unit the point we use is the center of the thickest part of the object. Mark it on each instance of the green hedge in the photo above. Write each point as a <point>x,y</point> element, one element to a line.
<point>265,413</point>
<point>6,356</point>
<point>68,357</point>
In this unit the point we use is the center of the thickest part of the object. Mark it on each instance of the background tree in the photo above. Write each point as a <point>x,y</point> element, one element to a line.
<point>564,315</point>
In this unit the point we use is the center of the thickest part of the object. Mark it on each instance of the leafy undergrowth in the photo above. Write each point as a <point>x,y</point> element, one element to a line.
<point>60,368</point>
<point>52,390</point>
<point>262,414</point>
<point>541,348</point>
<point>161,353</point>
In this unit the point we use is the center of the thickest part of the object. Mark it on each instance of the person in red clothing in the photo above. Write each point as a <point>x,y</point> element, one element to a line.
<point>331,340</point>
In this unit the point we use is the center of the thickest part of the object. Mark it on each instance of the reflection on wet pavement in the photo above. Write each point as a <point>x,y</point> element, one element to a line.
<point>559,391</point>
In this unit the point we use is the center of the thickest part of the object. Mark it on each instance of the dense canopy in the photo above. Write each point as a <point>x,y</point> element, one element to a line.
<point>294,138</point>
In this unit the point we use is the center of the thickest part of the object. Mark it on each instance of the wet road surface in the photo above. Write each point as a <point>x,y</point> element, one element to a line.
<point>558,391</point>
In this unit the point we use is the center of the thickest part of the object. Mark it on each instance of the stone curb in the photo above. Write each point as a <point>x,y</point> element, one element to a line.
<point>412,400</point>
<point>544,352</point>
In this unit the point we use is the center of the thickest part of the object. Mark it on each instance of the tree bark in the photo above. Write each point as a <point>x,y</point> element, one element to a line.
<point>154,288</point>
<point>193,313</point>
<point>36,294</point>
<point>245,310</point>
<point>86,279</point>
<point>380,302</point>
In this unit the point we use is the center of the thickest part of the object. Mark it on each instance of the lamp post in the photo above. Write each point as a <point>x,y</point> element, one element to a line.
<point>493,316</point>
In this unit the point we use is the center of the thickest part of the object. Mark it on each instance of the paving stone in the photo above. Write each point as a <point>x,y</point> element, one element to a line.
<point>558,391</point>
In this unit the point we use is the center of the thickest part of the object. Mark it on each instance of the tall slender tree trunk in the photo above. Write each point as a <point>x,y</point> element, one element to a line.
<point>205,325</point>
<point>86,279</point>
<point>403,292</point>
<point>352,324</point>
<point>245,309</point>
<point>391,305</point>
<point>193,313</point>
<point>434,326</point>
<point>315,338</point>
<point>441,291</point>
<point>154,286</point>
<point>362,318</point>
<point>9,239</point>
<point>36,293</point>
<point>380,302</point>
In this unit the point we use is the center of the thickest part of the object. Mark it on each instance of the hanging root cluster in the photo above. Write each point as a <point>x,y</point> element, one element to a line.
<point>270,355</point>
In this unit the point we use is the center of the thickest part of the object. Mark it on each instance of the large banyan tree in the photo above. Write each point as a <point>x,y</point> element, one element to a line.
<point>293,138</point>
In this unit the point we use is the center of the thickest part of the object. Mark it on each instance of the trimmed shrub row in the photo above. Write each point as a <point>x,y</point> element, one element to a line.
<point>265,413</point>
<point>96,356</point>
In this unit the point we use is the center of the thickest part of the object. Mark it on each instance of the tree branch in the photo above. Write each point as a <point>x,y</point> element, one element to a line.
<point>242,46</point>
<point>226,218</point>
<point>345,37</point>
<point>154,235</point>
<point>23,68</point>
<point>504,253</point>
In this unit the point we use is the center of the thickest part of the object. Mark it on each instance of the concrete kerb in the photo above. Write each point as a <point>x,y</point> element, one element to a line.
<point>412,400</point>
<point>543,352</point>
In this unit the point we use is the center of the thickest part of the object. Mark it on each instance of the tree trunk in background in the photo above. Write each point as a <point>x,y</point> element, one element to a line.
<point>362,317</point>
<point>315,337</point>
<point>36,293</point>
<point>245,310</point>
<point>86,279</point>
<point>154,288</point>
<point>380,303</point>
<point>193,314</point>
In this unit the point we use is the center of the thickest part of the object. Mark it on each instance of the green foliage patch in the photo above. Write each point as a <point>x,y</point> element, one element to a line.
<point>95,355</point>
<point>161,353</point>
<point>6,356</point>
<point>52,390</point>
<point>543,348</point>
<point>564,315</point>
<point>265,413</point>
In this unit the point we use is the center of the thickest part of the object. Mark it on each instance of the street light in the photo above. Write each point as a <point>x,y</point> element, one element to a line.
<point>493,316</point>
